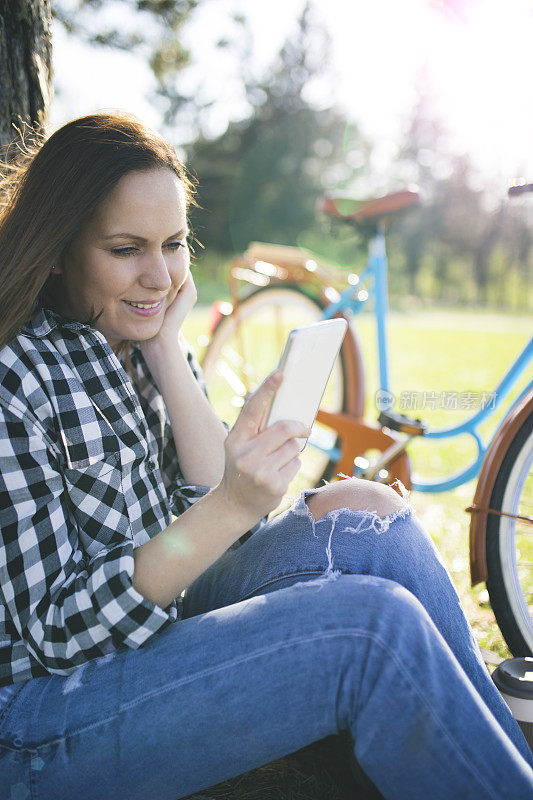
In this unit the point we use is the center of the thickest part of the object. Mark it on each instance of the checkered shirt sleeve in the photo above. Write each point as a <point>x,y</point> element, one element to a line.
<point>181,494</point>
<point>67,607</point>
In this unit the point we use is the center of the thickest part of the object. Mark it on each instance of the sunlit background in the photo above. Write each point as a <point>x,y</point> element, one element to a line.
<point>474,56</point>
<point>276,103</point>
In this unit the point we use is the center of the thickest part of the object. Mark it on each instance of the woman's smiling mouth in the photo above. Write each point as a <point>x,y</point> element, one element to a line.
<point>144,309</point>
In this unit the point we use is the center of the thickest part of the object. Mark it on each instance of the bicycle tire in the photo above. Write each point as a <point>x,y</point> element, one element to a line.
<point>263,361</point>
<point>510,586</point>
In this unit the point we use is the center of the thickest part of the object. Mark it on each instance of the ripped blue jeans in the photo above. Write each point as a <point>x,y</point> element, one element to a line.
<point>309,628</point>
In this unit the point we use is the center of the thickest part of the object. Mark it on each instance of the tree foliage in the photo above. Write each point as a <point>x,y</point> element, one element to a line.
<point>150,28</point>
<point>461,246</point>
<point>260,179</point>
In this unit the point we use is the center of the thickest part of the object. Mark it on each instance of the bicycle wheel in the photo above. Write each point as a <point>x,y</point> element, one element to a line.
<point>510,544</point>
<point>246,345</point>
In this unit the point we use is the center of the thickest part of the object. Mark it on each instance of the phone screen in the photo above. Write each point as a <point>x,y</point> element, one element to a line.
<point>306,363</point>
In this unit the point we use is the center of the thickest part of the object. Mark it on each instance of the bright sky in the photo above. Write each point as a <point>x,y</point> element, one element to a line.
<point>476,54</point>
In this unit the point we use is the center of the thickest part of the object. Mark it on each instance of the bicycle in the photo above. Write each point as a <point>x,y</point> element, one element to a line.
<point>286,289</point>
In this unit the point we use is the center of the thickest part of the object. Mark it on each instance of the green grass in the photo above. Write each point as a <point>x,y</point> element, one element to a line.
<point>434,351</point>
<point>462,354</point>
<point>454,352</point>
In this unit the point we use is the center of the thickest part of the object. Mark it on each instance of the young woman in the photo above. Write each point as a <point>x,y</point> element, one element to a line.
<point>157,635</point>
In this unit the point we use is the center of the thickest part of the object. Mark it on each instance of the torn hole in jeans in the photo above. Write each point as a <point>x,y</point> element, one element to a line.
<point>365,519</point>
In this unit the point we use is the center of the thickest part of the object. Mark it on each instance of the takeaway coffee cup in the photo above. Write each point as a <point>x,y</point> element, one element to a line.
<point>514,679</point>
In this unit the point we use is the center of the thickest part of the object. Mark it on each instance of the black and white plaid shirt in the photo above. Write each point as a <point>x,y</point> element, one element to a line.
<point>88,472</point>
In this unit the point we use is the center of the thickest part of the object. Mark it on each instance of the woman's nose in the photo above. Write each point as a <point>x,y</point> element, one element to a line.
<point>155,274</point>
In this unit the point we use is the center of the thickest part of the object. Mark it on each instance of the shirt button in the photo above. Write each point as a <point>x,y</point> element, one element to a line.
<point>17,741</point>
<point>150,465</point>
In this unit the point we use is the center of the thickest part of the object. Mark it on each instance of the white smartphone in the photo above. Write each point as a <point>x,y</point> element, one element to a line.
<point>306,363</point>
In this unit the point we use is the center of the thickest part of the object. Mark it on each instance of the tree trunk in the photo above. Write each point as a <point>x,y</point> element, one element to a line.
<point>26,88</point>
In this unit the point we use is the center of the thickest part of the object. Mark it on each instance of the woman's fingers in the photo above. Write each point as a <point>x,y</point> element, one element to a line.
<point>253,411</point>
<point>184,300</point>
<point>290,469</point>
<point>273,447</point>
<point>268,471</point>
<point>188,289</point>
<point>260,466</point>
<point>280,432</point>
<point>276,457</point>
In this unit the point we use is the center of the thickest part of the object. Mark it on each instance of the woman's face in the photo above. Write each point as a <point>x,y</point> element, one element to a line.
<point>133,249</point>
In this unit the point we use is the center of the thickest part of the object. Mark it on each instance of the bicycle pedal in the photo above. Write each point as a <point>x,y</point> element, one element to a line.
<point>402,423</point>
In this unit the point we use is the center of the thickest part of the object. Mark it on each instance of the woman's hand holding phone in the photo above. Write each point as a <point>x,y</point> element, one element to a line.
<point>260,464</point>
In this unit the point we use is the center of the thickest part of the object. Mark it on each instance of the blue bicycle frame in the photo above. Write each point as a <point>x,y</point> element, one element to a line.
<point>352,301</point>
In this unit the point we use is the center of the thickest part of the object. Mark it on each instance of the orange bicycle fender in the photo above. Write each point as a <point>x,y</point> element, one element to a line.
<point>487,477</point>
<point>355,374</point>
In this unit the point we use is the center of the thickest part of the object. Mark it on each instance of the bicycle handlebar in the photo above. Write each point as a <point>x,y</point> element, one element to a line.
<point>513,191</point>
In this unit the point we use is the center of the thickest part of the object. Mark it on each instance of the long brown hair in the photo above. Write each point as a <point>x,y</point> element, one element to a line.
<point>51,188</point>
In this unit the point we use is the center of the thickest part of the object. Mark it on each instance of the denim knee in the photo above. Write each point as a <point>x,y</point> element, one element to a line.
<point>366,601</point>
<point>395,546</point>
<point>396,625</point>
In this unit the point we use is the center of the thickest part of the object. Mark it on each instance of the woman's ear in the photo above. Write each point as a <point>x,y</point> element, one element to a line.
<point>57,268</point>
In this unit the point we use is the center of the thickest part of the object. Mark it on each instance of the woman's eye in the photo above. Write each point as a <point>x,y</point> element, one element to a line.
<point>123,251</point>
<point>127,251</point>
